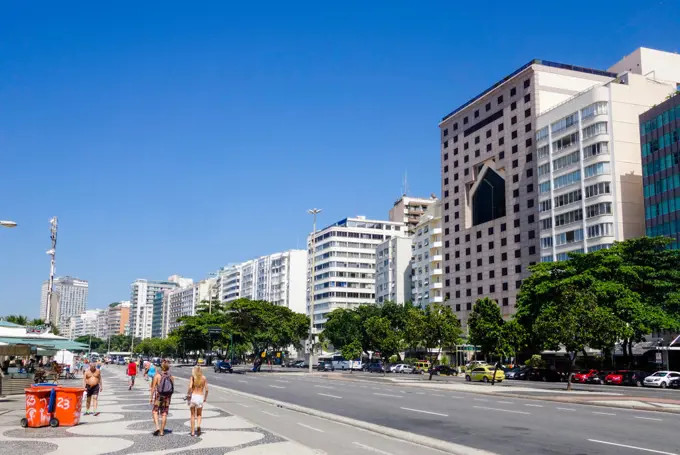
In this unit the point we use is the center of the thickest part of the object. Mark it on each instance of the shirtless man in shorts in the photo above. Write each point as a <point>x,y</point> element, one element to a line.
<point>93,385</point>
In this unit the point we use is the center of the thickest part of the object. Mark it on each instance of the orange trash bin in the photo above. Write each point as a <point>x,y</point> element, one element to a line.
<point>39,407</point>
<point>69,403</point>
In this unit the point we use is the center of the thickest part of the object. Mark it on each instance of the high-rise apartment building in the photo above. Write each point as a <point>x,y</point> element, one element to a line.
<point>344,269</point>
<point>589,169</point>
<point>393,270</point>
<point>180,302</point>
<point>141,304</point>
<point>82,324</point>
<point>408,210</point>
<point>428,272</point>
<point>118,318</point>
<point>69,298</point>
<point>279,278</point>
<point>489,182</point>
<point>660,140</point>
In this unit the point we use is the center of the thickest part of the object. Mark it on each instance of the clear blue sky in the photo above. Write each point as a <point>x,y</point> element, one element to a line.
<point>175,137</point>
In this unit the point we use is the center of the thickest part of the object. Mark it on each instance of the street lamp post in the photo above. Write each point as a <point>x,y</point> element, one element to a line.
<point>314,212</point>
<point>52,252</point>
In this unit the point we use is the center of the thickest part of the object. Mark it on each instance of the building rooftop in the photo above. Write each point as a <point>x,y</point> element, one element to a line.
<point>523,68</point>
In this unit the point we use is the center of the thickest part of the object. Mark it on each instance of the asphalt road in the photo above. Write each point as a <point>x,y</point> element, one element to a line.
<point>497,424</point>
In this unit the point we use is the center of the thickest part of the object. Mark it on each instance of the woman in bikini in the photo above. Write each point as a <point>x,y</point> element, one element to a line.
<point>197,395</point>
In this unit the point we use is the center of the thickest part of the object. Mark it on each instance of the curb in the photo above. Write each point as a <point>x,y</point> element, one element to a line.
<point>412,438</point>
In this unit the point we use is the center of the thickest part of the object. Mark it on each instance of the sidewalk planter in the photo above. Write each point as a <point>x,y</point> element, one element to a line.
<point>40,401</point>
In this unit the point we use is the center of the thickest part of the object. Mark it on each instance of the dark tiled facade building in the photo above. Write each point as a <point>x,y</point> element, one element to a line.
<point>660,143</point>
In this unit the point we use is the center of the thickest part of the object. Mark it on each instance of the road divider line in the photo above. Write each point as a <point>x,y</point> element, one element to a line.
<point>387,395</point>
<point>566,409</point>
<point>649,418</point>
<point>534,405</point>
<point>281,380</point>
<point>501,410</point>
<point>630,447</point>
<point>242,405</point>
<point>245,382</point>
<point>480,399</point>
<point>435,395</point>
<point>425,412</point>
<point>504,402</point>
<point>311,428</point>
<point>276,386</point>
<point>420,393</point>
<point>604,413</point>
<point>327,395</point>
<point>371,449</point>
<point>270,413</point>
<point>324,387</point>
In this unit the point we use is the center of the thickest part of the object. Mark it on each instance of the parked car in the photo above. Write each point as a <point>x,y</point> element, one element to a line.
<point>615,377</point>
<point>223,366</point>
<point>375,368</point>
<point>397,368</point>
<point>516,373</point>
<point>445,370</point>
<point>484,373</point>
<point>674,383</point>
<point>326,366</point>
<point>661,379</point>
<point>583,375</point>
<point>635,378</point>
<point>598,378</point>
<point>121,361</point>
<point>409,369</point>
<point>544,374</point>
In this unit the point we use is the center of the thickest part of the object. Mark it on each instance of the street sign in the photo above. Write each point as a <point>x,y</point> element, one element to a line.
<point>659,357</point>
<point>214,330</point>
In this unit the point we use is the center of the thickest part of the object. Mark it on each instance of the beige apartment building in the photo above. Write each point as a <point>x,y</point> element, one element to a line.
<point>409,210</point>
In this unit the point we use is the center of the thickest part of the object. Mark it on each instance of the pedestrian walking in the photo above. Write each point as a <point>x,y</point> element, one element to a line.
<point>93,385</point>
<point>162,388</point>
<point>197,395</point>
<point>151,373</point>
<point>132,374</point>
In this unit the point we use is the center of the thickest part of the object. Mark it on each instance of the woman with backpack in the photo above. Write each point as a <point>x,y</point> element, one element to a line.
<point>197,396</point>
<point>162,388</point>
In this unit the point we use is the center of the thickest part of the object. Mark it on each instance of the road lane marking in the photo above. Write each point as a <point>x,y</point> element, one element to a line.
<point>480,399</point>
<point>324,386</point>
<point>363,387</point>
<point>276,386</point>
<point>327,395</point>
<point>502,410</point>
<point>504,402</point>
<point>281,380</point>
<point>604,413</point>
<point>245,382</point>
<point>371,449</point>
<point>566,409</point>
<point>270,414</point>
<point>376,388</point>
<point>387,395</point>
<point>244,405</point>
<point>425,412</point>
<point>534,405</point>
<point>420,393</point>
<point>456,396</point>
<point>648,418</point>
<point>435,395</point>
<point>311,428</point>
<point>630,447</point>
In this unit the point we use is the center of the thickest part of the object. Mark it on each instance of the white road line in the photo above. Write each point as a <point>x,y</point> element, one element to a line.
<point>376,388</point>
<point>324,386</point>
<point>604,413</point>
<point>648,418</point>
<point>566,409</point>
<point>276,386</point>
<point>311,428</point>
<point>387,395</point>
<point>371,449</point>
<point>420,393</point>
<point>281,380</point>
<point>534,405</point>
<point>456,396</point>
<point>327,395</point>
<point>241,404</point>
<point>425,412</point>
<point>436,395</point>
<point>270,414</point>
<point>504,402</point>
<point>363,387</point>
<point>630,447</point>
<point>502,410</point>
<point>245,382</point>
<point>480,399</point>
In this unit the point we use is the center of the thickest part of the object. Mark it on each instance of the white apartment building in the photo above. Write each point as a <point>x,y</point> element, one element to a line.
<point>103,324</point>
<point>393,270</point>
<point>589,165</point>
<point>428,273</point>
<point>69,298</point>
<point>82,324</point>
<point>344,269</point>
<point>142,305</point>
<point>118,318</point>
<point>184,302</point>
<point>279,278</point>
<point>408,210</point>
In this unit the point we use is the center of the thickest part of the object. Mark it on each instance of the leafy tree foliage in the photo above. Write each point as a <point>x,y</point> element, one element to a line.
<point>352,351</point>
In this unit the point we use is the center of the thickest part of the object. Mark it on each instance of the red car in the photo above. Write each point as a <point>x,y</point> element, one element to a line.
<point>615,378</point>
<point>582,376</point>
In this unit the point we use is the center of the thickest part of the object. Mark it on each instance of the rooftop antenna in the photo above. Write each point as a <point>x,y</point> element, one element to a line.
<point>404,185</point>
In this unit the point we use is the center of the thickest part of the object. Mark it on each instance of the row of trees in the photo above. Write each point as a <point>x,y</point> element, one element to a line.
<point>391,328</point>
<point>597,300</point>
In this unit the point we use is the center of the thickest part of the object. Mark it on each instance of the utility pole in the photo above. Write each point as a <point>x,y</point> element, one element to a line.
<point>50,285</point>
<point>314,213</point>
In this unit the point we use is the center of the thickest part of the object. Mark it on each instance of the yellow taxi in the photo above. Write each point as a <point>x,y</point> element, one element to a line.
<point>422,366</point>
<point>484,373</point>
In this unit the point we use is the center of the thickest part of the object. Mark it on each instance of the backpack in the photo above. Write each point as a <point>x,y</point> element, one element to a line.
<point>165,386</point>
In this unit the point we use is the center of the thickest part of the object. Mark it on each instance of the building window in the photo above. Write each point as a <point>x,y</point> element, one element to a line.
<point>513,91</point>
<point>468,292</point>
<point>503,227</point>
<point>527,98</point>
<point>514,134</point>
<point>455,126</point>
<point>501,141</point>
<point>446,169</point>
<point>504,256</point>
<point>505,286</point>
<point>446,144</point>
<point>480,290</point>
<point>532,234</point>
<point>500,99</point>
<point>446,131</point>
<point>501,155</point>
<point>467,251</point>
<point>515,163</point>
<point>515,149</point>
<point>468,278</point>
<point>492,274</point>
<point>505,301</point>
<point>532,250</point>
<point>458,304</point>
<point>479,248</point>
<point>527,127</point>
<point>465,121</point>
<point>528,143</point>
<point>518,253</point>
<point>492,288</point>
<point>479,262</point>
<point>476,113</point>
<point>491,259</point>
<point>466,158</point>
<point>457,280</point>
<point>513,105</point>
<point>530,188</point>
<point>527,83</point>
<point>500,127</point>
<point>517,238</point>
<point>466,146</point>
<point>488,134</point>
<point>477,153</point>
<point>476,139</point>
<point>518,269</point>
<point>468,306</point>
<point>530,203</point>
<point>479,276</point>
<point>515,208</point>
<point>513,120</point>
<point>457,294</point>
<point>488,147</point>
<point>488,107</point>
<point>491,245</point>
<point>530,172</point>
<point>516,223</point>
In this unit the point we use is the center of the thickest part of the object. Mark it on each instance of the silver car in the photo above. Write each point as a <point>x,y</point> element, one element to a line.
<point>661,379</point>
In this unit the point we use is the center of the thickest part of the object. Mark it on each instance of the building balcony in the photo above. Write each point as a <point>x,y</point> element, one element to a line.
<point>436,231</point>
<point>436,244</point>
<point>436,258</point>
<point>437,299</point>
<point>437,272</point>
<point>437,285</point>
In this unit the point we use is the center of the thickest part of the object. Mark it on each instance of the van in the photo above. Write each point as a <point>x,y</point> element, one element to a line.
<point>422,366</point>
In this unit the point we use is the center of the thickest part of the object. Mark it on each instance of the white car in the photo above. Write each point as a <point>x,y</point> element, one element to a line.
<point>661,379</point>
<point>407,369</point>
<point>397,368</point>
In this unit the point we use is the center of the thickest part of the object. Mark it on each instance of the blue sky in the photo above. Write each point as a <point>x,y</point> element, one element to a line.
<point>174,137</point>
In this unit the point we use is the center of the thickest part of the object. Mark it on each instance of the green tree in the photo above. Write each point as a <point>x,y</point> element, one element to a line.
<point>441,330</point>
<point>352,351</point>
<point>381,337</point>
<point>17,319</point>
<point>486,326</point>
<point>95,344</point>
<point>414,328</point>
<point>342,327</point>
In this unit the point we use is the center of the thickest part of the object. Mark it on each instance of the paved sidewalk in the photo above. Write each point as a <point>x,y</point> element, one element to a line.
<point>125,426</point>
